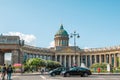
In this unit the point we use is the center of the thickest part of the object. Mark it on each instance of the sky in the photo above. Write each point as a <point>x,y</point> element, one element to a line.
<point>37,21</point>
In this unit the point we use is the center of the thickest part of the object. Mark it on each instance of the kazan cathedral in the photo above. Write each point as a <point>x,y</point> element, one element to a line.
<point>62,52</point>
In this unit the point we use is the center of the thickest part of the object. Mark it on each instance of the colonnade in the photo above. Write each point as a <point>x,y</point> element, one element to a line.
<point>67,60</point>
<point>87,59</point>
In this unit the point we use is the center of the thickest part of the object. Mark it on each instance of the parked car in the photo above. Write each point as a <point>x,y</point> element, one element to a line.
<point>57,71</point>
<point>77,71</point>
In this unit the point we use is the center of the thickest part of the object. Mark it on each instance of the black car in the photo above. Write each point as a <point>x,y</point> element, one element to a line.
<point>57,71</point>
<point>77,71</point>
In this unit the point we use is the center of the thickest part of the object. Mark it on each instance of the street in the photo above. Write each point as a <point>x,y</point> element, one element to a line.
<point>47,77</point>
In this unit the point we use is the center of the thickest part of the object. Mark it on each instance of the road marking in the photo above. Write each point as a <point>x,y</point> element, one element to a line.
<point>44,78</point>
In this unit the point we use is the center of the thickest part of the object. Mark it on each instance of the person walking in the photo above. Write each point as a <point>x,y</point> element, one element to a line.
<point>9,72</point>
<point>42,71</point>
<point>3,71</point>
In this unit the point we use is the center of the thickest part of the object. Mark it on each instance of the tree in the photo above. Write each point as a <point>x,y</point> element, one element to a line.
<point>52,64</point>
<point>103,66</point>
<point>99,65</point>
<point>34,63</point>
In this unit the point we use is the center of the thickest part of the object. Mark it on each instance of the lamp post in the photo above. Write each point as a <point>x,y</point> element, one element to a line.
<point>74,35</point>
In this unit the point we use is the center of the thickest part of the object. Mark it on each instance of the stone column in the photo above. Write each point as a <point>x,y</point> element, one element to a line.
<point>105,58</point>
<point>1,58</point>
<point>95,59</point>
<point>81,61</point>
<point>100,58</point>
<point>65,60</point>
<point>78,60</point>
<point>55,57</point>
<point>110,59</point>
<point>73,60</point>
<point>69,60</point>
<point>86,60</point>
<point>61,59</point>
<point>15,56</point>
<point>90,59</point>
<point>115,60</point>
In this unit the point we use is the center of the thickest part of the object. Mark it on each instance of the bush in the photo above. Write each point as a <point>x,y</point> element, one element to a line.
<point>102,66</point>
<point>116,70</point>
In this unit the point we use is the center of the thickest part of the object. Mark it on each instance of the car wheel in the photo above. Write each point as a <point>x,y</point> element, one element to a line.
<point>53,74</point>
<point>81,75</point>
<point>85,74</point>
<point>67,74</point>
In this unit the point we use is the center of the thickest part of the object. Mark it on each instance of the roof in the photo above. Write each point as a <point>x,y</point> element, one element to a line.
<point>62,31</point>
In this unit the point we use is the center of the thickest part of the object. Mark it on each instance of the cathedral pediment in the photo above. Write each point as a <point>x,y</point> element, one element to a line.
<point>67,49</point>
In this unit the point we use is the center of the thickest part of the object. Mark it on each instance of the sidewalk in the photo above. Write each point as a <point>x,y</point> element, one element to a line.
<point>34,73</point>
<point>46,73</point>
<point>105,73</point>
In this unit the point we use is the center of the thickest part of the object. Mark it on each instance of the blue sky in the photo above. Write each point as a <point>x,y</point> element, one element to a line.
<point>96,21</point>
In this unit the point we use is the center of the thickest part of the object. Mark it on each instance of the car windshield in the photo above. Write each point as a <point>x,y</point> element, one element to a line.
<point>84,68</point>
<point>73,69</point>
<point>78,68</point>
<point>60,69</point>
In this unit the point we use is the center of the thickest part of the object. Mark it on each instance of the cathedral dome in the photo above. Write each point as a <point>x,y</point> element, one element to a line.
<point>62,32</point>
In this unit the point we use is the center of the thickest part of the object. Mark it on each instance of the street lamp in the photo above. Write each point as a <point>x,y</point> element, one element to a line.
<point>74,35</point>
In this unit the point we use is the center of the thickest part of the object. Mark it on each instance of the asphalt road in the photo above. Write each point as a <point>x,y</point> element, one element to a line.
<point>47,77</point>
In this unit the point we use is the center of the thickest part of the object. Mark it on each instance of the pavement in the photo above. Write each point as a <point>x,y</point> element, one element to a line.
<point>46,73</point>
<point>45,76</point>
<point>34,73</point>
<point>106,73</point>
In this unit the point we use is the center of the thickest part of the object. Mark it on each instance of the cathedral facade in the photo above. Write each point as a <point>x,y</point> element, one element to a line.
<point>70,55</point>
<point>67,55</point>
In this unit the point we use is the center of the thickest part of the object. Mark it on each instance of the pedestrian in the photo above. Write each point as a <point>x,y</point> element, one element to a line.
<point>3,71</point>
<point>42,71</point>
<point>9,72</point>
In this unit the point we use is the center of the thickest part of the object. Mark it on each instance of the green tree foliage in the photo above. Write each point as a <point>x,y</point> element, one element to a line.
<point>52,64</point>
<point>36,63</point>
<point>102,66</point>
<point>99,65</point>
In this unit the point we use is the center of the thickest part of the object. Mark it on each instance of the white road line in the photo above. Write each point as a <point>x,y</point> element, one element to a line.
<point>44,78</point>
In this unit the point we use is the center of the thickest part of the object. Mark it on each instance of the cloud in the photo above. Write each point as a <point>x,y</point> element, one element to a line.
<point>52,44</point>
<point>28,38</point>
<point>86,48</point>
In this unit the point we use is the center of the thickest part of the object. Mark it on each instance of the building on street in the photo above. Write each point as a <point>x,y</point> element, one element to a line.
<point>62,52</point>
